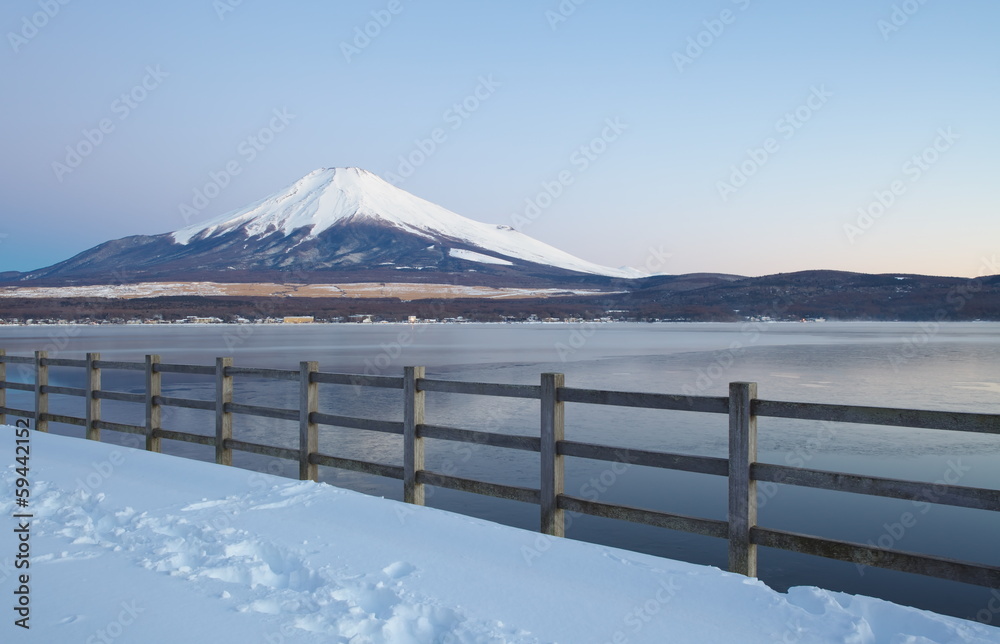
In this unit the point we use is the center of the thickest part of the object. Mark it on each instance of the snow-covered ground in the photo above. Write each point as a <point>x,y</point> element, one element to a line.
<point>128,546</point>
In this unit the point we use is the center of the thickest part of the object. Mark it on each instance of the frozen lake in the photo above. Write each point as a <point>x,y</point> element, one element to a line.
<point>952,366</point>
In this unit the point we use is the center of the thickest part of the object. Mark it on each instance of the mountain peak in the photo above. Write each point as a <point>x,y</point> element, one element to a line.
<point>329,197</point>
<point>317,200</point>
<point>344,177</point>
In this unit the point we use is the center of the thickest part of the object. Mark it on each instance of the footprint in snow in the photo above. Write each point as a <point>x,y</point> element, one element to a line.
<point>368,607</point>
<point>205,503</point>
<point>398,570</point>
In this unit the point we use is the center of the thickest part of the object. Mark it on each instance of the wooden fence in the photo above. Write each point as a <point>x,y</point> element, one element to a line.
<point>742,469</point>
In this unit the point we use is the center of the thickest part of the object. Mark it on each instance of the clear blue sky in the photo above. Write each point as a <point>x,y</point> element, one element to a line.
<point>875,94</point>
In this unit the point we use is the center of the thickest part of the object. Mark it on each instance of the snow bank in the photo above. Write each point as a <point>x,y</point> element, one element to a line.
<point>129,546</point>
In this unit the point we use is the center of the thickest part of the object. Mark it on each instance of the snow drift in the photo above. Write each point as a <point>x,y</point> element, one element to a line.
<point>143,547</point>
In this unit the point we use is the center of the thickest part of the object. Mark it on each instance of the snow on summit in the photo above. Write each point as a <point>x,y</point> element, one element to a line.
<point>331,196</point>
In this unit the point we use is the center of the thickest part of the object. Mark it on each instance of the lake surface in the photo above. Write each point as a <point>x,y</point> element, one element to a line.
<point>949,366</point>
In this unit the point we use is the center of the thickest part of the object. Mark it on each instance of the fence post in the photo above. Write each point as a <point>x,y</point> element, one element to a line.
<point>3,386</point>
<point>153,411</point>
<point>308,430</point>
<point>552,470</point>
<point>223,418</point>
<point>742,488</point>
<point>413,445</point>
<point>41,398</point>
<point>93,410</point>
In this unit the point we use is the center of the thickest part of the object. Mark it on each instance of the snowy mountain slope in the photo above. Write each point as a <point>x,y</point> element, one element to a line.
<point>331,225</point>
<point>477,257</point>
<point>327,197</point>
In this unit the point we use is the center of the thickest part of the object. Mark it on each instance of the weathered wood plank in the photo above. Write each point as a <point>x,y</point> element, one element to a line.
<point>714,405</point>
<point>928,565</point>
<point>665,460</point>
<point>370,424</point>
<point>19,386</point>
<point>308,430</point>
<point>270,374</point>
<point>124,366</point>
<point>496,490</point>
<point>916,418</point>
<point>41,398</point>
<point>93,403</point>
<point>263,412</point>
<point>480,388</point>
<point>263,450</point>
<point>66,420</point>
<point>120,427</point>
<point>943,494</point>
<point>64,362</point>
<point>120,396</point>
<point>742,488</point>
<point>187,369</point>
<point>223,418</point>
<point>553,473</point>
<point>696,525</point>
<point>508,441</point>
<point>186,437</point>
<point>153,411</point>
<point>185,403</point>
<point>413,444</point>
<point>17,359</point>
<point>21,413</point>
<point>365,467</point>
<point>358,380</point>
<point>64,391</point>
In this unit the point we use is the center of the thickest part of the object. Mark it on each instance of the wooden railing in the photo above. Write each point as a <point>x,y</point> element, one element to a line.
<point>741,468</point>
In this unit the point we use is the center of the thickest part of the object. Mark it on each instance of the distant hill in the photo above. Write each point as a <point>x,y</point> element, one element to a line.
<point>832,295</point>
<point>334,224</point>
<point>829,294</point>
<point>347,226</point>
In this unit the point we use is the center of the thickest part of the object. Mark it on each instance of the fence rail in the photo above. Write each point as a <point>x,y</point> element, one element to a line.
<point>741,468</point>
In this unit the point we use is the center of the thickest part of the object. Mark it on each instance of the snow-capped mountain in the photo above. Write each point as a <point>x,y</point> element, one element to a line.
<point>335,220</point>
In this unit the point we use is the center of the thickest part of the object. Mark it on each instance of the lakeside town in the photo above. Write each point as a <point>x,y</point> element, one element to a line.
<point>613,317</point>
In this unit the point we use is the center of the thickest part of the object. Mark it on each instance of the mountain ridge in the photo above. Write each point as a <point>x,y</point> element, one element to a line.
<point>347,226</point>
<point>834,295</point>
<point>330,222</point>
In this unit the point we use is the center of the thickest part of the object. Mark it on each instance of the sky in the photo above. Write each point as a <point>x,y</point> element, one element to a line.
<point>733,136</point>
